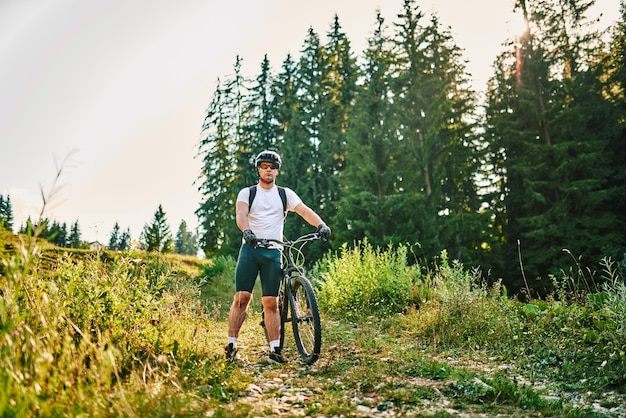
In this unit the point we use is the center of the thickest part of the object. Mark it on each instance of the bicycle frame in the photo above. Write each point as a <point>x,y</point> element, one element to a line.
<point>297,295</point>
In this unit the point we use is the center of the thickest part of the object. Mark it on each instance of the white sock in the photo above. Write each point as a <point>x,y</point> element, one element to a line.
<point>233,341</point>
<point>274,344</point>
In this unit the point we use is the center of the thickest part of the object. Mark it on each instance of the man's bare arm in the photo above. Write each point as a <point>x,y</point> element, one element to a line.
<point>241,215</point>
<point>308,215</point>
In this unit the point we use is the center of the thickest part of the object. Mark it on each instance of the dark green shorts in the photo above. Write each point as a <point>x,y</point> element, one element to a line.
<point>253,262</point>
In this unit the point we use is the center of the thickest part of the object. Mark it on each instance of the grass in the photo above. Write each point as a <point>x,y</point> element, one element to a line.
<point>137,334</point>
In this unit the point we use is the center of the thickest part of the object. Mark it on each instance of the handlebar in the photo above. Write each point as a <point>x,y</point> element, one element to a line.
<point>266,242</point>
<point>294,255</point>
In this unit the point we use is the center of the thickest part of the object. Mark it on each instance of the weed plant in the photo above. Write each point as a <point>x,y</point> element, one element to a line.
<point>461,312</point>
<point>366,279</point>
<point>577,337</point>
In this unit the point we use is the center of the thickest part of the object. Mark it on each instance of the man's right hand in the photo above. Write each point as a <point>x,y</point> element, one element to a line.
<point>249,237</point>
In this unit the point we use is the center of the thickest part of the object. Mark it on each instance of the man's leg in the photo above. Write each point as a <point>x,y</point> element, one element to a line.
<point>237,314</point>
<point>272,325</point>
<point>236,317</point>
<point>272,317</point>
<point>245,276</point>
<point>271,275</point>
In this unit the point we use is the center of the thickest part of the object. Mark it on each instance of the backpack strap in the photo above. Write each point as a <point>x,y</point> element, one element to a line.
<point>281,193</point>
<point>251,196</point>
<point>283,197</point>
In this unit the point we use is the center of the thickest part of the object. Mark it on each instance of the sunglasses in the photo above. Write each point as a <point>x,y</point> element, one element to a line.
<point>265,166</point>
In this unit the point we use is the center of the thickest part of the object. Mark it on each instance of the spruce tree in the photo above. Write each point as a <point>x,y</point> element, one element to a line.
<point>437,162</point>
<point>301,158</point>
<point>260,127</point>
<point>27,227</point>
<point>369,177</point>
<point>185,240</point>
<point>545,108</point>
<point>289,141</point>
<point>614,128</point>
<point>249,131</point>
<point>74,239</point>
<point>340,74</point>
<point>114,239</point>
<point>217,147</point>
<point>157,236</point>
<point>6,213</point>
<point>124,241</point>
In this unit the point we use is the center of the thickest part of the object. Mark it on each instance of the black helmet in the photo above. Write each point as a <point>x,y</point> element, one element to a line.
<point>268,157</point>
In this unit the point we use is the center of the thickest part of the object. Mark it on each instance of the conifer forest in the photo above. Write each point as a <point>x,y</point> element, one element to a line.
<point>391,145</point>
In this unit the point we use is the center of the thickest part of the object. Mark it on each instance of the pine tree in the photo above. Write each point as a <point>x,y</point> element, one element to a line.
<point>545,108</point>
<point>185,240</point>
<point>75,240</point>
<point>124,241</point>
<point>156,236</point>
<point>369,178</point>
<point>6,213</point>
<point>437,162</point>
<point>217,147</point>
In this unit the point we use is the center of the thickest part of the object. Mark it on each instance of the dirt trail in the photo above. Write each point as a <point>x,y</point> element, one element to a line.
<point>296,389</point>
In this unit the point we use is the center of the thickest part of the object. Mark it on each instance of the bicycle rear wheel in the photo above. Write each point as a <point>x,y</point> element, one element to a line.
<point>305,319</point>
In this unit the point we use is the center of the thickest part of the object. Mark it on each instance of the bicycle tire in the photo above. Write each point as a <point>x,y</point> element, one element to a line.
<point>305,319</point>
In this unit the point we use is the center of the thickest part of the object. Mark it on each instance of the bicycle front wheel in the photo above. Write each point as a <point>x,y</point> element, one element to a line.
<point>305,319</point>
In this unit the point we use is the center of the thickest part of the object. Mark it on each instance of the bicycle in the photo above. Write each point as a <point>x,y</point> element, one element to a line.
<point>296,294</point>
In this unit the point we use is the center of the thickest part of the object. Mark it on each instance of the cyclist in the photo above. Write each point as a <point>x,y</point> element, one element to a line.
<point>263,218</point>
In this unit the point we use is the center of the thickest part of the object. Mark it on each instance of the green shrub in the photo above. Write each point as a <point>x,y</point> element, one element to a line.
<point>461,312</point>
<point>364,280</point>
<point>221,268</point>
<point>578,339</point>
<point>218,284</point>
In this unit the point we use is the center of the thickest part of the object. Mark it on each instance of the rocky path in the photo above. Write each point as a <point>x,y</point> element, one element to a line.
<point>328,388</point>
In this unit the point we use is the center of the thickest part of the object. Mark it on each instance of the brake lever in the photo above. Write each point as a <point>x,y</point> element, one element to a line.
<point>261,243</point>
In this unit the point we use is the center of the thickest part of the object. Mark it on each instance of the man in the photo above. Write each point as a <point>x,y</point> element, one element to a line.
<point>263,218</point>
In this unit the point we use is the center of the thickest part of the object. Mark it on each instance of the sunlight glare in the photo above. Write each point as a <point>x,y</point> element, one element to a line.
<point>517,25</point>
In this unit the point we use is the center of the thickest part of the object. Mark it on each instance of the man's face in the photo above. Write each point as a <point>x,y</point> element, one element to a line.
<point>267,172</point>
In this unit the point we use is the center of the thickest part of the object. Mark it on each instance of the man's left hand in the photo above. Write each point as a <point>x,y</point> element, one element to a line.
<point>324,231</point>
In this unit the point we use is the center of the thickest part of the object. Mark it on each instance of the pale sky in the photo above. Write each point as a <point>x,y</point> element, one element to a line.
<point>122,87</point>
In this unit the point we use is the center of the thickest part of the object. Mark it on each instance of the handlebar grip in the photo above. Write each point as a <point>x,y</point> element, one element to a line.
<point>261,243</point>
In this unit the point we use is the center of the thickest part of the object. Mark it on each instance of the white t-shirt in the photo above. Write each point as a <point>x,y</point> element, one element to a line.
<point>266,217</point>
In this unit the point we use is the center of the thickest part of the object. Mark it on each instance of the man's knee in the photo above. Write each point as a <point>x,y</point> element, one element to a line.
<point>270,303</point>
<point>242,299</point>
